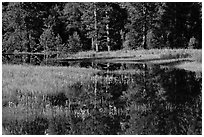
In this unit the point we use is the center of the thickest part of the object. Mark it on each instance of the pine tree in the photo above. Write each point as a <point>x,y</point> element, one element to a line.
<point>143,17</point>
<point>90,23</point>
<point>23,22</point>
<point>74,43</point>
<point>104,23</point>
<point>47,40</point>
<point>59,45</point>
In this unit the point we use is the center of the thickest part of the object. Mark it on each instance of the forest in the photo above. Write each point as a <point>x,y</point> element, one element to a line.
<point>67,28</point>
<point>101,68</point>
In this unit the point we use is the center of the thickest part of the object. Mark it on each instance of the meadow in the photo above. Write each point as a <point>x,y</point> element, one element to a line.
<point>27,89</point>
<point>48,79</point>
<point>155,56</point>
<point>40,79</point>
<point>151,53</point>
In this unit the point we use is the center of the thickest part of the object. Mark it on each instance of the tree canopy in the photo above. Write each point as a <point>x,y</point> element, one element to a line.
<point>101,26</point>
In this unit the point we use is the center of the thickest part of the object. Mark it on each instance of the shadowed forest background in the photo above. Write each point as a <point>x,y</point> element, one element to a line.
<point>68,28</point>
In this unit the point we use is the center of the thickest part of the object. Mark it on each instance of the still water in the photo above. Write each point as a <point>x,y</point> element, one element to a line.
<point>120,99</point>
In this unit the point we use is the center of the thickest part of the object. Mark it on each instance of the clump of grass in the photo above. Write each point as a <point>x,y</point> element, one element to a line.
<point>175,54</point>
<point>31,125</point>
<point>85,54</point>
<point>31,115</point>
<point>197,56</point>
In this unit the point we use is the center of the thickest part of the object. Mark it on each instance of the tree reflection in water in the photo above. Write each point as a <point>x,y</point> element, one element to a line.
<point>150,101</point>
<point>171,99</point>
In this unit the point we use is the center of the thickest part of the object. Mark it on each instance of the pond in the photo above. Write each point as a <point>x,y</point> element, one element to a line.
<point>124,99</point>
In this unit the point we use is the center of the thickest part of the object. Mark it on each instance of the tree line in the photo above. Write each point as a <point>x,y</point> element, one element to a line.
<point>101,26</point>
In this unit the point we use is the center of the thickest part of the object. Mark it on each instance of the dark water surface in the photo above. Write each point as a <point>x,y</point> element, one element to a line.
<point>126,99</point>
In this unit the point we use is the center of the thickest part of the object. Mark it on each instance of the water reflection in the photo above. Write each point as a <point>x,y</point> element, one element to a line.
<point>152,100</point>
<point>172,103</point>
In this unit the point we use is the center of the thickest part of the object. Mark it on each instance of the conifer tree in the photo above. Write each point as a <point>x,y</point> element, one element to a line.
<point>74,43</point>
<point>47,40</point>
<point>143,18</point>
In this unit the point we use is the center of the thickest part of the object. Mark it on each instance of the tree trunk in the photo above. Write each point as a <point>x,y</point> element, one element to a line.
<point>107,32</point>
<point>122,34</point>
<point>145,37</point>
<point>95,25</point>
<point>145,28</point>
<point>92,43</point>
<point>28,50</point>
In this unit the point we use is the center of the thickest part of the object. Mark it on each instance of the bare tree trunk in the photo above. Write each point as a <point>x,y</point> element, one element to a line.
<point>145,28</point>
<point>107,32</point>
<point>28,49</point>
<point>122,34</point>
<point>96,32</point>
<point>92,43</point>
<point>145,36</point>
<point>45,53</point>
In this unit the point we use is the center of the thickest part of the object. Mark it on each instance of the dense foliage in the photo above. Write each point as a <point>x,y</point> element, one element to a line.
<point>38,27</point>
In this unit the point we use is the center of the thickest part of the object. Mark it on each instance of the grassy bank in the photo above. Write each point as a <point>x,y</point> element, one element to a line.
<point>190,66</point>
<point>26,91</point>
<point>178,57</point>
<point>194,54</point>
<point>40,79</point>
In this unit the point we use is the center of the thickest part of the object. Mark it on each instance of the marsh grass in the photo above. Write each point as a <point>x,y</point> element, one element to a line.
<point>175,54</point>
<point>34,104</point>
<point>24,119</point>
<point>20,81</point>
<point>43,79</point>
<point>194,54</point>
<point>197,56</point>
<point>27,92</point>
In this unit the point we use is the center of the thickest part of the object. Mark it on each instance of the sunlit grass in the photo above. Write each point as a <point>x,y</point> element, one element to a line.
<point>195,54</point>
<point>40,79</point>
<point>24,87</point>
<point>191,66</point>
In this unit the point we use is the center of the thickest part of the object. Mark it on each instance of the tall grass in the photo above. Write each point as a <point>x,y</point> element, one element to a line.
<point>197,56</point>
<point>175,54</point>
<point>24,95</point>
<point>40,79</point>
